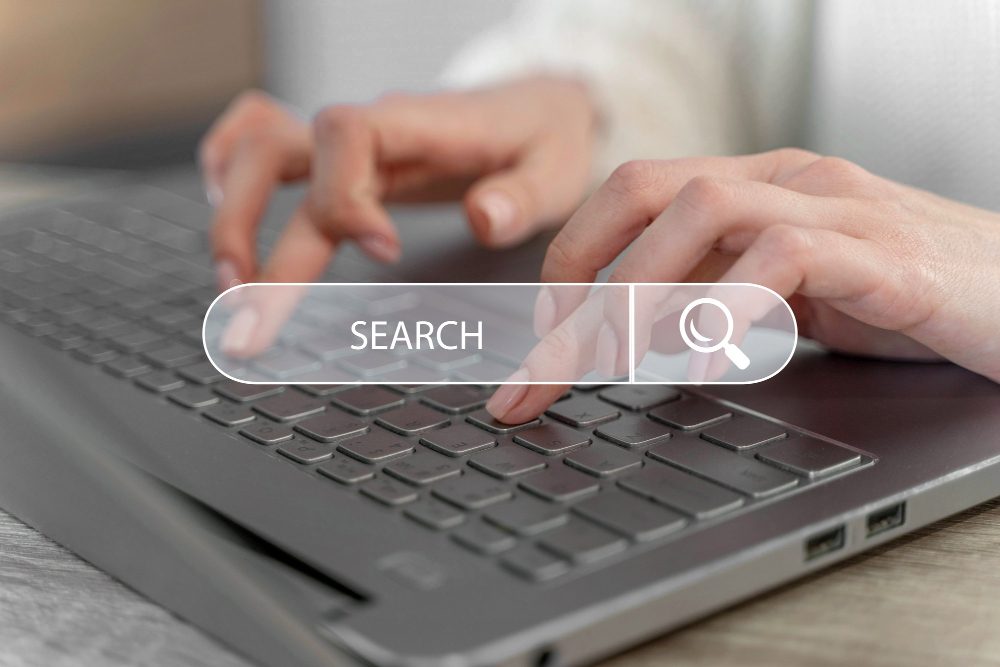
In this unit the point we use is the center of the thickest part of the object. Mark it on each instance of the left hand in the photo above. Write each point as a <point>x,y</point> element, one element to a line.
<point>870,266</point>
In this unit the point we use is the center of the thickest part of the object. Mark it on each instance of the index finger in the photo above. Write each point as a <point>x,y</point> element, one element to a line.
<point>634,195</point>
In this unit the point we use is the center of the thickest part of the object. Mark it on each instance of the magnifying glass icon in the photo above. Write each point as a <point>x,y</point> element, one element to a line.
<point>735,354</point>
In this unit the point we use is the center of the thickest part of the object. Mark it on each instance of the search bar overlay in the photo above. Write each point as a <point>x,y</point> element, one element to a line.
<point>493,333</point>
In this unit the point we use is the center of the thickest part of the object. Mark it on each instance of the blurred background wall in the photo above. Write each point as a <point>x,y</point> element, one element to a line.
<point>320,51</point>
<point>119,83</point>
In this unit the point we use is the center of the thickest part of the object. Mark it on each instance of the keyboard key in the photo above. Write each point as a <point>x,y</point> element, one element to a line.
<point>639,397</point>
<point>582,542</point>
<point>229,414</point>
<point>410,388</point>
<point>583,411</point>
<point>242,392</point>
<point>525,515</point>
<point>67,339</point>
<point>551,439</point>
<point>422,467</point>
<point>193,397</point>
<point>508,461</point>
<point>126,367</point>
<point>376,446</point>
<point>534,564</point>
<point>633,431</point>
<point>690,413</point>
<point>412,419</point>
<point>743,433</point>
<point>305,451</point>
<point>94,353</point>
<point>203,373</point>
<point>325,345</point>
<point>458,440</point>
<point>367,400</point>
<point>628,515</point>
<point>483,538</point>
<point>682,491</point>
<point>136,340</point>
<point>485,371</point>
<point>173,355</point>
<point>284,363</point>
<point>346,471</point>
<point>472,491</point>
<point>434,514</point>
<point>560,483</point>
<point>371,362</point>
<point>389,492</point>
<point>331,426</point>
<point>485,420</point>
<point>603,460</point>
<point>808,456</point>
<point>289,405</point>
<point>737,472</point>
<point>267,433</point>
<point>455,398</point>
<point>324,389</point>
<point>159,381</point>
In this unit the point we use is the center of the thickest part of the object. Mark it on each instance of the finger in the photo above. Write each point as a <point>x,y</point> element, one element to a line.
<point>258,314</point>
<point>540,190</point>
<point>814,262</point>
<point>631,199</point>
<point>345,191</point>
<point>709,212</point>
<point>250,110</point>
<point>302,252</point>
<point>564,355</point>
<point>259,163</point>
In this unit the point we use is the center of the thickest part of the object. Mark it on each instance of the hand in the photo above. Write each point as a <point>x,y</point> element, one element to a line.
<point>870,267</point>
<point>519,154</point>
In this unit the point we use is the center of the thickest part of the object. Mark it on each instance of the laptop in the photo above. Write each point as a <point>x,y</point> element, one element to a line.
<point>252,511</point>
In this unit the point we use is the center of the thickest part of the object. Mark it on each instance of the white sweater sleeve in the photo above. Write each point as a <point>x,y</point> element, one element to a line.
<point>670,77</point>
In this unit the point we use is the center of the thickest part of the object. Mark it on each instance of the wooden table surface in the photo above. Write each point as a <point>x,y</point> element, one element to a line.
<point>932,598</point>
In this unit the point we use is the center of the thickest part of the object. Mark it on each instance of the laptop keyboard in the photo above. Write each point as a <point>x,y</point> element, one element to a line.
<point>608,470</point>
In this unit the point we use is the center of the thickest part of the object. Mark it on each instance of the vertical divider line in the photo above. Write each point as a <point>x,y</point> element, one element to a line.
<point>631,333</point>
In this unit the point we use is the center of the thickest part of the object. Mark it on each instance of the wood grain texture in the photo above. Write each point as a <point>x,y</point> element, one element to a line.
<point>932,598</point>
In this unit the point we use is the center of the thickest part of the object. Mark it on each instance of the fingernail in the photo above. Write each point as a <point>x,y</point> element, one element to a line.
<point>213,193</point>
<point>508,395</point>
<point>236,337</point>
<point>501,214</point>
<point>545,312</point>
<point>607,351</point>
<point>698,366</point>
<point>226,275</point>
<point>380,248</point>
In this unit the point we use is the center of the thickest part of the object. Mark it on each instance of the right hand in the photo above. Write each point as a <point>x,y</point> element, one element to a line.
<point>518,154</point>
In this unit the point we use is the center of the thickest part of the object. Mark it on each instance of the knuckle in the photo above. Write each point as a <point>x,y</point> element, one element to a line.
<point>337,119</point>
<point>703,195</point>
<point>634,177</point>
<point>791,154</point>
<point>560,343</point>
<point>786,241</point>
<point>838,168</point>
<point>254,104</point>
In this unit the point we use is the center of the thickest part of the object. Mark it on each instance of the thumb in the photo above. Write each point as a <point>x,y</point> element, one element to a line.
<point>507,207</point>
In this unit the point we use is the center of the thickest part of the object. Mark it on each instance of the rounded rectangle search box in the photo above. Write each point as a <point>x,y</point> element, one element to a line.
<point>495,333</point>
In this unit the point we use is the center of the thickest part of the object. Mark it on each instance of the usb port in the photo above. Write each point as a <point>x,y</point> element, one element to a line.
<point>824,543</point>
<point>886,518</point>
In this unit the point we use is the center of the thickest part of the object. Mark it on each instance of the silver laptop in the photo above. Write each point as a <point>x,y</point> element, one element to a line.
<point>398,524</point>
